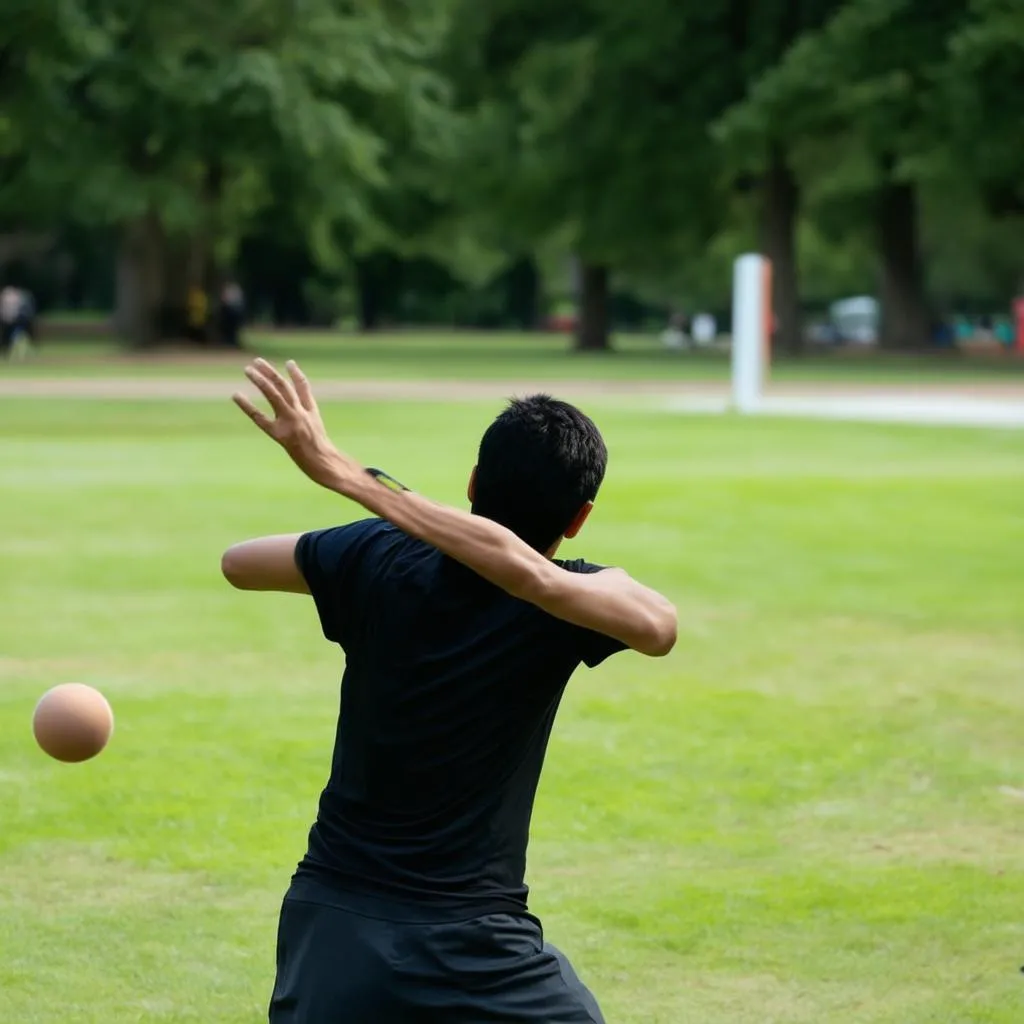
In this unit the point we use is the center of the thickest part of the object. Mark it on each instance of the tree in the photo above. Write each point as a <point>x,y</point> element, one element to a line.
<point>862,91</point>
<point>182,116</point>
<point>36,38</point>
<point>761,149</point>
<point>589,118</point>
<point>984,117</point>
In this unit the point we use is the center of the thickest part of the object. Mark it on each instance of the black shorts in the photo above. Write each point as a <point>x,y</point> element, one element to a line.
<point>335,966</point>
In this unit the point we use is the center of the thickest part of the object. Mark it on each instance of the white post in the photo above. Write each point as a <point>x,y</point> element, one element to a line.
<point>751,317</point>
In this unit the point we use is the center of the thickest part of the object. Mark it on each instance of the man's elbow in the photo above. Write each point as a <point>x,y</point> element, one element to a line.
<point>662,634</point>
<point>232,565</point>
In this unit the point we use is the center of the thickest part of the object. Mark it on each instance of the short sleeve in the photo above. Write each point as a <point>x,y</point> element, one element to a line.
<point>593,647</point>
<point>331,562</point>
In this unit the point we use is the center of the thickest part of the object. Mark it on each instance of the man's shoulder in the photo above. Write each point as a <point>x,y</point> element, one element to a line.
<point>328,550</point>
<point>360,530</point>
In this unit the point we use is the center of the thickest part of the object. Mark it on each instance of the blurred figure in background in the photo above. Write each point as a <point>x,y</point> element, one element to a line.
<point>676,335</point>
<point>10,305</point>
<point>197,313</point>
<point>17,322</point>
<point>232,314</point>
<point>704,329</point>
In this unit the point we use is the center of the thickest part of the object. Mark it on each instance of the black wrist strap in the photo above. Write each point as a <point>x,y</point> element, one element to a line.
<point>388,481</point>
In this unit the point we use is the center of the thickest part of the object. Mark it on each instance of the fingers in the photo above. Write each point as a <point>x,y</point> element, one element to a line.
<point>270,391</point>
<point>281,383</point>
<point>250,410</point>
<point>286,396</point>
<point>302,386</point>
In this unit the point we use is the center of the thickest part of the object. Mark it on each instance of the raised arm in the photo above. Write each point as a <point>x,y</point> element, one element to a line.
<point>609,602</point>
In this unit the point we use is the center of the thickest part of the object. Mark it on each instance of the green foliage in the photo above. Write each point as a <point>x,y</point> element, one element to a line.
<point>973,257</point>
<point>982,89</point>
<point>887,91</point>
<point>472,134</point>
<point>865,81</point>
<point>591,116</point>
<point>152,98</point>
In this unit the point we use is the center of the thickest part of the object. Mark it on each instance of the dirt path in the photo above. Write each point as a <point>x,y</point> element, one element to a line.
<point>190,388</point>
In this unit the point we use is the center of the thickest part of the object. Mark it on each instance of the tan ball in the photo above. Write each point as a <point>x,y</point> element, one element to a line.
<point>72,722</point>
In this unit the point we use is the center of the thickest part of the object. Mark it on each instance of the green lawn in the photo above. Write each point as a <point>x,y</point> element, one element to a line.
<point>419,355</point>
<point>811,812</point>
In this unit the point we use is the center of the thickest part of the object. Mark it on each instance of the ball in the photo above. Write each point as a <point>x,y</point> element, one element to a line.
<point>72,722</point>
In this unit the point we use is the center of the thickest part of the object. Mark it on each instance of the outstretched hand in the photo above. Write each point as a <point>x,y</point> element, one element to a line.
<point>296,424</point>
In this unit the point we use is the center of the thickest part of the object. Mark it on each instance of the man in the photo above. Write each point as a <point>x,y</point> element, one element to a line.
<point>197,311</point>
<point>231,314</point>
<point>460,632</point>
<point>11,313</point>
<point>676,334</point>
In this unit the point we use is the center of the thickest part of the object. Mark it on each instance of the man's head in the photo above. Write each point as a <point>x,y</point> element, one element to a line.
<point>540,465</point>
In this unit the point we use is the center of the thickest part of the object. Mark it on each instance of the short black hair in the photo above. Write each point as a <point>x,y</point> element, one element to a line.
<point>539,463</point>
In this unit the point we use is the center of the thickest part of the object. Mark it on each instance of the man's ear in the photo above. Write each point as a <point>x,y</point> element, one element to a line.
<point>577,524</point>
<point>471,489</point>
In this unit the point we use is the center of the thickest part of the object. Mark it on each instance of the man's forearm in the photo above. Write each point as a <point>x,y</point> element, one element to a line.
<point>609,602</point>
<point>486,547</point>
<point>614,604</point>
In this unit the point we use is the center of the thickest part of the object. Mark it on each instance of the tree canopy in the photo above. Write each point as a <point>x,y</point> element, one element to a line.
<point>864,145</point>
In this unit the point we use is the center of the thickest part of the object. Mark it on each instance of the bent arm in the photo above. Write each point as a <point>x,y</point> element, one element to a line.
<point>266,563</point>
<point>614,605</point>
<point>609,602</point>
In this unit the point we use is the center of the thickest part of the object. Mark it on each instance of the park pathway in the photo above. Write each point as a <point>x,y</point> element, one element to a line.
<point>979,403</point>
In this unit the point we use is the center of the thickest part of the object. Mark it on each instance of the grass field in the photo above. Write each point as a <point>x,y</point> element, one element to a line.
<point>474,356</point>
<point>811,812</point>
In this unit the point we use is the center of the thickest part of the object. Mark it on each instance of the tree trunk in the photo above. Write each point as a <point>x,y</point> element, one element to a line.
<point>592,328</point>
<point>370,293</point>
<point>140,281</point>
<point>203,272</point>
<point>522,293</point>
<point>176,275</point>
<point>780,203</point>
<point>905,315</point>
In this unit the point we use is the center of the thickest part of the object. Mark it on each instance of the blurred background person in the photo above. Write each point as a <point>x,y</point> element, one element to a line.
<point>231,314</point>
<point>676,334</point>
<point>197,314</point>
<point>17,322</point>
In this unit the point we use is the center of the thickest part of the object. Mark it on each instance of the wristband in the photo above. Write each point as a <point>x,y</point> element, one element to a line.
<point>388,481</point>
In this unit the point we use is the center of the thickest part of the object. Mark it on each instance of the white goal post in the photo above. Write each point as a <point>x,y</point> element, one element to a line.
<point>751,330</point>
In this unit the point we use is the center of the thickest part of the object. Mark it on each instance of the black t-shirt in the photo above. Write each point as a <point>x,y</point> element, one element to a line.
<point>447,702</point>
